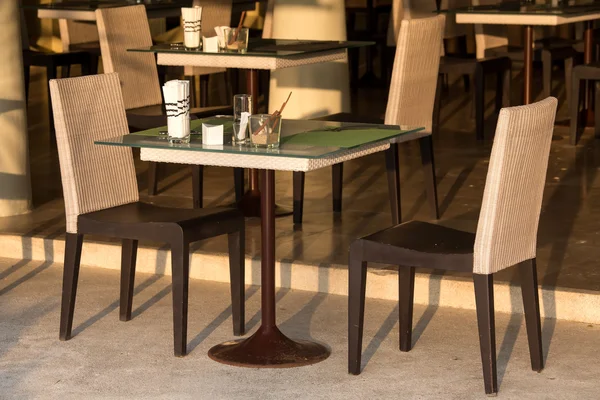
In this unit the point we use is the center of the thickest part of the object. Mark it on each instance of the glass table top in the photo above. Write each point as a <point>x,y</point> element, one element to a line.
<point>299,138</point>
<point>91,5</point>
<point>258,47</point>
<point>538,7</point>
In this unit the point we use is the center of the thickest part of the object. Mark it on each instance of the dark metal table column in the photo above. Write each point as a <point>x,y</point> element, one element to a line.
<point>268,347</point>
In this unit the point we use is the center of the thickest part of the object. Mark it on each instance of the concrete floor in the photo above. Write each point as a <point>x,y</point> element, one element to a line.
<point>111,359</point>
<point>569,233</point>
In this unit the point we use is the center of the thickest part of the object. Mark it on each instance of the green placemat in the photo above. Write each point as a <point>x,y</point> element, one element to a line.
<point>195,124</point>
<point>345,137</point>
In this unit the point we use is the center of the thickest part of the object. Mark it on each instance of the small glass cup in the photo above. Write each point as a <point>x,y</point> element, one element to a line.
<point>265,130</point>
<point>242,109</point>
<point>236,40</point>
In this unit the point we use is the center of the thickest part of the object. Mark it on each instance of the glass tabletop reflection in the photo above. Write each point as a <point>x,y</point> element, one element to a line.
<point>91,5</point>
<point>299,138</point>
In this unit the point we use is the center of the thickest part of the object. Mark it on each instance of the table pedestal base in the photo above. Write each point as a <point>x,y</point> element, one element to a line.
<point>269,348</point>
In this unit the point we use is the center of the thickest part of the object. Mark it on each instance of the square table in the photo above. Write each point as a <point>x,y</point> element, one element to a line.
<point>268,54</point>
<point>82,10</point>
<point>529,14</point>
<point>306,146</point>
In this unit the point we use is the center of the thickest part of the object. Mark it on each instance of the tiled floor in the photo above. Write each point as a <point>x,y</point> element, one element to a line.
<point>569,232</point>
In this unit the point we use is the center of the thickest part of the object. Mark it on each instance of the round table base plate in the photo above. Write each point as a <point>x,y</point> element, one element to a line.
<point>269,348</point>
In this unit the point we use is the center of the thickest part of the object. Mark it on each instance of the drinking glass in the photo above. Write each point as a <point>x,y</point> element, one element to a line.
<point>242,109</point>
<point>236,40</point>
<point>265,130</point>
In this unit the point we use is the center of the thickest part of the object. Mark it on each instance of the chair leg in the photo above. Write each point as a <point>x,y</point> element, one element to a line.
<point>506,86</point>
<point>204,90</point>
<point>51,74</point>
<point>357,280</point>
<point>437,106</point>
<point>499,90</point>
<point>237,256</point>
<point>406,290</point>
<point>73,243</point>
<point>568,75</point>
<point>238,183</point>
<point>152,178</point>
<point>428,163</point>
<point>94,64</point>
<point>65,71</point>
<point>27,76</point>
<point>180,256</point>
<point>597,110</point>
<point>574,108</point>
<point>547,72</point>
<point>337,179</point>
<point>479,104</point>
<point>393,177</point>
<point>197,185</point>
<point>484,299</point>
<point>128,260</point>
<point>531,305</point>
<point>298,177</point>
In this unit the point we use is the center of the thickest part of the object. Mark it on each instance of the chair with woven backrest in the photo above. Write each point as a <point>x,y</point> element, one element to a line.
<point>101,198</point>
<point>123,28</point>
<point>506,236</point>
<point>410,102</point>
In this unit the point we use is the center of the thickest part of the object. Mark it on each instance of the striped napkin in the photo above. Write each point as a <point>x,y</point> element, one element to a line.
<point>177,106</point>
<point>192,26</point>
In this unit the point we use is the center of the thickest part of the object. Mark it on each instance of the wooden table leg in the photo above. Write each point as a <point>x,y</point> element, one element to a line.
<point>528,64</point>
<point>268,347</point>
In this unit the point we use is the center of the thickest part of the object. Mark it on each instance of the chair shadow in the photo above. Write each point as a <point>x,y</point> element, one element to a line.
<point>512,329</point>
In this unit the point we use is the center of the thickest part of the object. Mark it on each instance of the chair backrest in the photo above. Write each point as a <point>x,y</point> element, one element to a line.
<point>415,73</point>
<point>488,36</point>
<point>94,177</point>
<point>122,28</point>
<point>76,32</point>
<point>267,32</point>
<point>512,199</point>
<point>214,13</point>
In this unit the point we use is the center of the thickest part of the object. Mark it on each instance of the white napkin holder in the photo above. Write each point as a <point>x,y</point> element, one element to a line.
<point>212,134</point>
<point>210,44</point>
<point>192,26</point>
<point>220,30</point>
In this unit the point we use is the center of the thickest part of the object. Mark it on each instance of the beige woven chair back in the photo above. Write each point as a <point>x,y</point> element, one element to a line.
<point>214,13</point>
<point>76,32</point>
<point>94,177</point>
<point>122,28</point>
<point>267,32</point>
<point>488,36</point>
<point>512,199</point>
<point>415,73</point>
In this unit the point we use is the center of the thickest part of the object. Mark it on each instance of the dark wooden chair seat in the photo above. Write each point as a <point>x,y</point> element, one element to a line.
<point>444,248</point>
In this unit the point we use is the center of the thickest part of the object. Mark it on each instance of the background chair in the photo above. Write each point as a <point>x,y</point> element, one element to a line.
<point>583,73</point>
<point>123,28</point>
<point>506,236</point>
<point>410,102</point>
<point>51,61</point>
<point>102,198</point>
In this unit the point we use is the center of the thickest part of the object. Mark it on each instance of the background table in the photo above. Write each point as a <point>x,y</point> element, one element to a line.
<point>81,10</point>
<point>269,54</point>
<point>534,14</point>
<point>268,346</point>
